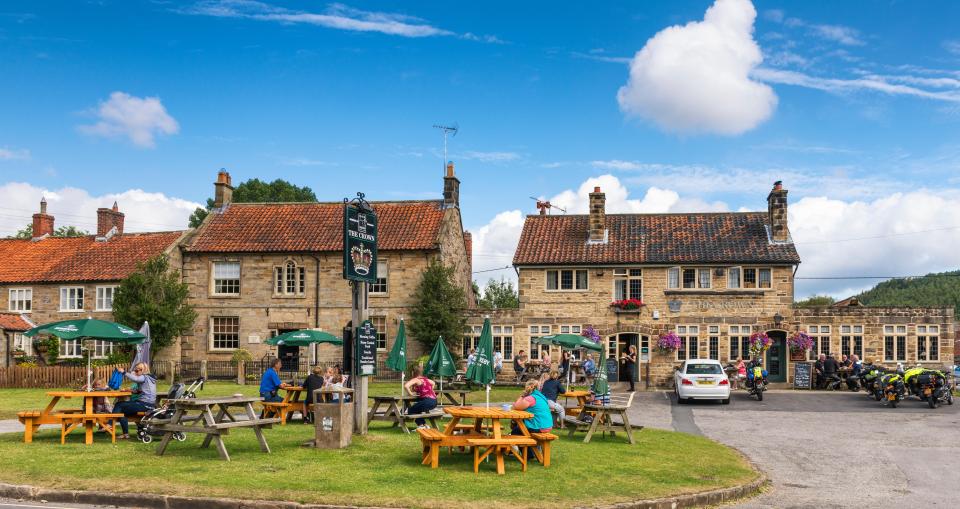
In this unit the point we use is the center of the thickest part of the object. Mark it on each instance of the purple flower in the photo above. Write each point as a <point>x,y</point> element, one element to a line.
<point>591,334</point>
<point>800,341</point>
<point>668,341</point>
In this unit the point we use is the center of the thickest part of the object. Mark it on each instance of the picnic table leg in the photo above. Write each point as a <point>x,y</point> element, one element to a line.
<point>217,439</point>
<point>626,426</point>
<point>88,425</point>
<point>398,417</point>
<point>593,426</point>
<point>257,430</point>
<point>451,426</point>
<point>206,440</point>
<point>28,430</point>
<point>500,467</point>
<point>177,417</point>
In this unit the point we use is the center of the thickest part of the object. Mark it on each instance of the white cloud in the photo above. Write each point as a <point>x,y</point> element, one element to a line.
<point>336,16</point>
<point>12,154</point>
<point>696,77</point>
<point>844,35</point>
<point>616,164</point>
<point>136,118</point>
<point>873,83</point>
<point>822,228</point>
<point>952,46</point>
<point>72,206</point>
<point>489,157</point>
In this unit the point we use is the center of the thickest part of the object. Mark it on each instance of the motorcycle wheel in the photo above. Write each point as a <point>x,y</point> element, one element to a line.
<point>893,403</point>
<point>949,398</point>
<point>759,395</point>
<point>878,395</point>
<point>932,401</point>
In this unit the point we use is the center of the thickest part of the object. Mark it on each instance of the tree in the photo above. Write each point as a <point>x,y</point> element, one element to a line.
<point>154,293</point>
<point>258,191</point>
<point>499,295</point>
<point>64,231</point>
<point>932,290</point>
<point>815,301</point>
<point>438,308</point>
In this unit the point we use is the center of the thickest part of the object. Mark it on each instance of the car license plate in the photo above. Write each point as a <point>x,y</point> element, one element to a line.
<point>891,397</point>
<point>927,392</point>
<point>704,382</point>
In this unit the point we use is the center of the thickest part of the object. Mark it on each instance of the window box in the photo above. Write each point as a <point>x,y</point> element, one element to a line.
<point>626,306</point>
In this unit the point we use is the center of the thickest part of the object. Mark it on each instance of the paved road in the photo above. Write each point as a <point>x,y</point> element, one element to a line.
<point>835,450</point>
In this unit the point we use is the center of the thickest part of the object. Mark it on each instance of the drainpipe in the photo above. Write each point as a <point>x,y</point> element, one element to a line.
<point>316,306</point>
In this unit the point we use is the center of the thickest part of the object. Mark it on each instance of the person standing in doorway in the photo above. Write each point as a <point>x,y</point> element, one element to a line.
<point>630,365</point>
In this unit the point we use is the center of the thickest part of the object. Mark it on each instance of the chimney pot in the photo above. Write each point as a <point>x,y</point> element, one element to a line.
<point>596,189</point>
<point>777,213</point>
<point>42,222</point>
<point>449,168</point>
<point>451,188</point>
<point>222,190</point>
<point>108,219</point>
<point>597,222</point>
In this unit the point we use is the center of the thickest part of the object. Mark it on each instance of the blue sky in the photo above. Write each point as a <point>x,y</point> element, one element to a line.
<point>855,105</point>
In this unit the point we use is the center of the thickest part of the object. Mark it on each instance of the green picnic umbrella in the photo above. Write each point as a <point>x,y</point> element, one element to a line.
<point>89,328</point>
<point>600,385</point>
<point>569,341</point>
<point>440,363</point>
<point>397,360</point>
<point>481,371</point>
<point>304,337</point>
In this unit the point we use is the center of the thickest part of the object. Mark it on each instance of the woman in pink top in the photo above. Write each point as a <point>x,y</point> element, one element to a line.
<point>421,387</point>
<point>741,372</point>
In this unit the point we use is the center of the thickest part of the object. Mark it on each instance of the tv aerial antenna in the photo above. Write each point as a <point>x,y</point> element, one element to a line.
<point>451,130</point>
<point>544,206</point>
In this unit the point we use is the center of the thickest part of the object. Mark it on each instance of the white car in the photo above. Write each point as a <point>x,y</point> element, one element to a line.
<point>701,379</point>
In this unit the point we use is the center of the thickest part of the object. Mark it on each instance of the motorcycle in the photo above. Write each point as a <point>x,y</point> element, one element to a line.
<point>870,378</point>
<point>893,389</point>
<point>756,382</point>
<point>910,377</point>
<point>932,386</point>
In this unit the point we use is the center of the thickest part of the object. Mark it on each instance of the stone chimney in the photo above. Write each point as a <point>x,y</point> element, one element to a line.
<point>42,222</point>
<point>598,217</point>
<point>222,190</point>
<point>777,213</point>
<point>108,219</point>
<point>451,188</point>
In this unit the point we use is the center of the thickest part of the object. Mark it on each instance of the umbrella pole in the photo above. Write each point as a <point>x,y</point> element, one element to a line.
<point>488,395</point>
<point>441,390</point>
<point>403,375</point>
<point>88,373</point>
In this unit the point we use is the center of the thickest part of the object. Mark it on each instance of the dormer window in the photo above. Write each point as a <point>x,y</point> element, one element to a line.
<point>290,279</point>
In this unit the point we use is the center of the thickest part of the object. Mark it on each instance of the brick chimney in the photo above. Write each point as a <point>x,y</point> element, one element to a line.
<point>598,217</point>
<point>42,222</point>
<point>222,190</point>
<point>451,188</point>
<point>777,213</point>
<point>108,219</point>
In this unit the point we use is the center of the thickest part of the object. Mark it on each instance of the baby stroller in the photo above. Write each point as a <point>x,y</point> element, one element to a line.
<point>145,428</point>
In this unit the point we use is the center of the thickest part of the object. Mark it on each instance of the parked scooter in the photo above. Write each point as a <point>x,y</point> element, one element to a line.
<point>893,389</point>
<point>756,382</point>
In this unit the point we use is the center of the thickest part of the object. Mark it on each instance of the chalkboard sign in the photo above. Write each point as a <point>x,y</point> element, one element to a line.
<point>366,349</point>
<point>612,370</point>
<point>803,375</point>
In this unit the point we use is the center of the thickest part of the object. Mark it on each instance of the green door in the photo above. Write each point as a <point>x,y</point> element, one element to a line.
<point>777,357</point>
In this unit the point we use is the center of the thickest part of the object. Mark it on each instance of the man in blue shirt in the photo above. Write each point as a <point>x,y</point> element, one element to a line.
<point>270,383</point>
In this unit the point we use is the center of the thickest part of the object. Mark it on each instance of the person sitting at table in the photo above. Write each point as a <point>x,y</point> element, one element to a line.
<point>545,361</point>
<point>100,405</point>
<point>328,375</point>
<point>830,369</point>
<point>270,383</point>
<point>845,362</point>
<point>497,364</point>
<point>421,387</point>
<point>818,369</point>
<point>552,388</point>
<point>589,367</point>
<point>472,357</point>
<point>314,381</point>
<point>146,400</point>
<point>534,402</point>
<point>336,382</point>
<point>520,364</point>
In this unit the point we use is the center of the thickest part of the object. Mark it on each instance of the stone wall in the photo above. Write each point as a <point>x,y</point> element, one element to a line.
<point>46,301</point>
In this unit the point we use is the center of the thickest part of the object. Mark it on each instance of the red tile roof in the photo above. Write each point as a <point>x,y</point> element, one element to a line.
<point>314,227</point>
<point>652,238</point>
<point>14,322</point>
<point>56,259</point>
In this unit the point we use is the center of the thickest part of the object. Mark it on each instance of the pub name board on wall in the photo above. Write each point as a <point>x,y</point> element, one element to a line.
<point>360,234</point>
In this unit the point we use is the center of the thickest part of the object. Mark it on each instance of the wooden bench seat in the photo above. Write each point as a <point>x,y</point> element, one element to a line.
<point>515,446</point>
<point>431,440</point>
<point>282,409</point>
<point>431,416</point>
<point>542,451</point>
<point>68,422</point>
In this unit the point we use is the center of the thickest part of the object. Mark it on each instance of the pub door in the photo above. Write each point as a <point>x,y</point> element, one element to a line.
<point>777,357</point>
<point>624,341</point>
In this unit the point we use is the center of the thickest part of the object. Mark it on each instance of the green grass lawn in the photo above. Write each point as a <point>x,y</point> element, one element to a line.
<point>382,468</point>
<point>16,400</point>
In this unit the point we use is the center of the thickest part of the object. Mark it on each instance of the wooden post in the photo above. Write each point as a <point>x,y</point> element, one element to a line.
<point>359,314</point>
<point>173,371</point>
<point>203,368</point>
<point>241,373</point>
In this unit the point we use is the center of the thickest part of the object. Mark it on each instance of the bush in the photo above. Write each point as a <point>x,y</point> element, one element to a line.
<point>241,355</point>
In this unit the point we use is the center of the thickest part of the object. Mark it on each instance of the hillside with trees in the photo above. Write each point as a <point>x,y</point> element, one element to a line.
<point>932,290</point>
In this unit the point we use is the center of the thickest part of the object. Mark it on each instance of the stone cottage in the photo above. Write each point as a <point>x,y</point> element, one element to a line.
<point>712,278</point>
<point>256,270</point>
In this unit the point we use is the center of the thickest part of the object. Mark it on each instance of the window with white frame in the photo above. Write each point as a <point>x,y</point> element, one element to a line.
<point>503,340</point>
<point>535,332</point>
<point>733,277</point>
<point>71,298</point>
<point>470,340</point>
<point>102,349</point>
<point>289,279</point>
<point>714,341</point>
<point>70,349</point>
<point>928,342</point>
<point>627,284</point>
<point>851,340</point>
<point>380,287</point>
<point>820,334</point>
<point>105,298</point>
<point>688,278</point>
<point>380,323</point>
<point>894,343</point>
<point>224,332</point>
<point>226,278</point>
<point>23,343</point>
<point>21,299</point>
<point>567,280</point>
<point>673,277</point>
<point>689,342</point>
<point>749,277</point>
<point>739,341</point>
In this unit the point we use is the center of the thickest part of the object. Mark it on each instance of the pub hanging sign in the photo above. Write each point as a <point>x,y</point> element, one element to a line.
<point>360,231</point>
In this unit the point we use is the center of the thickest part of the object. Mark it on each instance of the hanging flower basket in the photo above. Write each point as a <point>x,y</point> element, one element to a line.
<point>799,342</point>
<point>759,343</point>
<point>668,342</point>
<point>591,334</point>
<point>627,305</point>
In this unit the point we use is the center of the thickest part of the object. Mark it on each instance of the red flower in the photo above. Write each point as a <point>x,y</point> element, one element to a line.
<point>627,304</point>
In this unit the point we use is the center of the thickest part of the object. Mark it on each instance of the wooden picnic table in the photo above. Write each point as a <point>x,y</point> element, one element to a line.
<point>291,403</point>
<point>602,420</point>
<point>475,434</point>
<point>449,394</point>
<point>70,419</point>
<point>581,396</point>
<point>388,408</point>
<point>213,426</point>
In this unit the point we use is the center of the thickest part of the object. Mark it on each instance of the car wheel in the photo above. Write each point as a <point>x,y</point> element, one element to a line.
<point>680,400</point>
<point>725,401</point>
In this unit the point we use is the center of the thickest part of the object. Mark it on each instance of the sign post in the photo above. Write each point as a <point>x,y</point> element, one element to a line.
<point>360,232</point>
